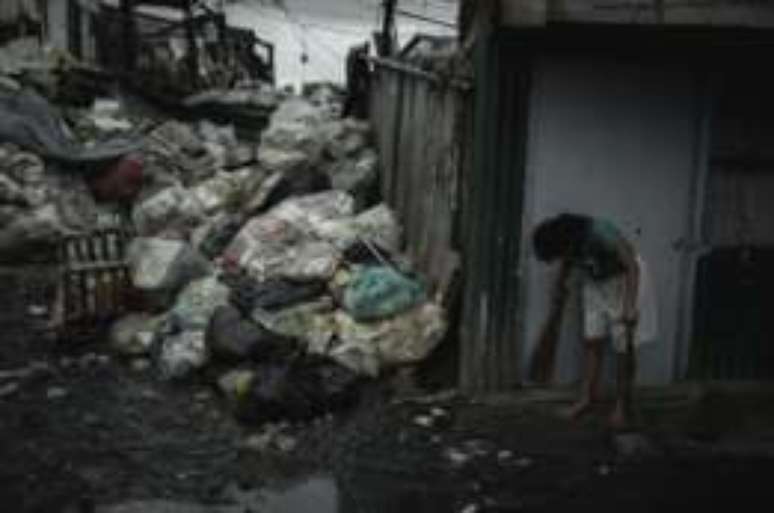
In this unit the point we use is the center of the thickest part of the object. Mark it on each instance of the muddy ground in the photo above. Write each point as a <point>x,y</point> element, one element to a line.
<point>83,431</point>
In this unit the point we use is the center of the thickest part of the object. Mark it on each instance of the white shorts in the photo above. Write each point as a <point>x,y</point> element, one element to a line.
<point>603,310</point>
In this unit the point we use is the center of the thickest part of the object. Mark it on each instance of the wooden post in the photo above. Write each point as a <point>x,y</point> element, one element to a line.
<point>190,35</point>
<point>388,26</point>
<point>128,35</point>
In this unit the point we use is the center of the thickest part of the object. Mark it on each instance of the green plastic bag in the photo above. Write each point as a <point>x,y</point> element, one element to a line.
<point>379,292</point>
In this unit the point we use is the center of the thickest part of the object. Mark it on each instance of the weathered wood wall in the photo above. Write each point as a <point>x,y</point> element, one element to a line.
<point>416,123</point>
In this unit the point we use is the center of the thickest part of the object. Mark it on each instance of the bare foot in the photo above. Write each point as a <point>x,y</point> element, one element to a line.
<point>577,410</point>
<point>618,419</point>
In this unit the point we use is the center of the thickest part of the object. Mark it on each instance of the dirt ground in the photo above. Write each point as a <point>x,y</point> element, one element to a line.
<point>82,431</point>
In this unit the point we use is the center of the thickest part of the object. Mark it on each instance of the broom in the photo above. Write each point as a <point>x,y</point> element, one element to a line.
<point>544,358</point>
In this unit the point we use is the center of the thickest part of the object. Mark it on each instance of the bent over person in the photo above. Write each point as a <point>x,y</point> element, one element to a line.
<point>617,301</point>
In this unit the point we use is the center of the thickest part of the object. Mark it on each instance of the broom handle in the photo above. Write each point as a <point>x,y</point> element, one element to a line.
<point>543,361</point>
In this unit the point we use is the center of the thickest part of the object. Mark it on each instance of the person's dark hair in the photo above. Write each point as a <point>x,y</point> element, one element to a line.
<point>559,237</point>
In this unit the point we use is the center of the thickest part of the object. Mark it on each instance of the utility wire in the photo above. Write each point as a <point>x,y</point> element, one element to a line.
<point>426,19</point>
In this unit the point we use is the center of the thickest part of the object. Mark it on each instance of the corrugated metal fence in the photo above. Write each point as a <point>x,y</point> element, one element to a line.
<point>416,121</point>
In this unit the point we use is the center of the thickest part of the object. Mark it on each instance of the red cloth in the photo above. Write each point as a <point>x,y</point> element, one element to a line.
<point>120,182</point>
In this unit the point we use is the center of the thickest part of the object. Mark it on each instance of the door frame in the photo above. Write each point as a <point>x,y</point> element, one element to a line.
<point>695,246</point>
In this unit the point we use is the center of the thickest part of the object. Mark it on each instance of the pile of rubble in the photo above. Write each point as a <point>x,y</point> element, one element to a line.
<point>269,267</point>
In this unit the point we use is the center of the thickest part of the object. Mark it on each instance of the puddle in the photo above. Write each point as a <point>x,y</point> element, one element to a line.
<point>320,494</point>
<point>363,494</point>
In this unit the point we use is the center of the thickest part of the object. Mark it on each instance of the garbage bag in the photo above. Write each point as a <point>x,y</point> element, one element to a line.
<point>30,121</point>
<point>408,338</point>
<point>217,235</point>
<point>11,192</point>
<point>233,338</point>
<point>197,302</point>
<point>120,182</point>
<point>133,334</point>
<point>301,390</point>
<point>218,193</point>
<point>33,233</point>
<point>345,138</point>
<point>273,294</point>
<point>269,247</point>
<point>182,354</point>
<point>378,292</point>
<point>292,185</point>
<point>378,226</point>
<point>361,253</point>
<point>357,175</point>
<point>160,268</point>
<point>297,110</point>
<point>287,162</point>
<point>312,323</point>
<point>308,211</point>
<point>294,137</point>
<point>174,209</point>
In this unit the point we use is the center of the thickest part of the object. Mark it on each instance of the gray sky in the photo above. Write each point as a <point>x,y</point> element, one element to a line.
<point>325,29</point>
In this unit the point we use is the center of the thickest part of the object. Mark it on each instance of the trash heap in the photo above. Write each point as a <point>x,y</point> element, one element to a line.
<point>275,270</point>
<point>268,266</point>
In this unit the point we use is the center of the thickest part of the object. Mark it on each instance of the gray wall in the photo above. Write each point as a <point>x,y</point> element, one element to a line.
<point>616,138</point>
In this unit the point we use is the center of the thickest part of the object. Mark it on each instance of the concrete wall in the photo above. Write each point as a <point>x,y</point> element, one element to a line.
<point>616,138</point>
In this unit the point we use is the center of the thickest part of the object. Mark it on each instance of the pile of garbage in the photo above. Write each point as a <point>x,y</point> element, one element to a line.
<point>267,265</point>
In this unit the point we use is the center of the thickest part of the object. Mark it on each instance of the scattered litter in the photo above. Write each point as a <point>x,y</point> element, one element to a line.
<point>183,354</point>
<point>504,455</point>
<point>425,421</point>
<point>8,389</point>
<point>456,457</point>
<point>55,393</point>
<point>633,445</point>
<point>479,447</point>
<point>235,384</point>
<point>140,364</point>
<point>203,396</point>
<point>197,302</point>
<point>133,334</point>
<point>37,310</point>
